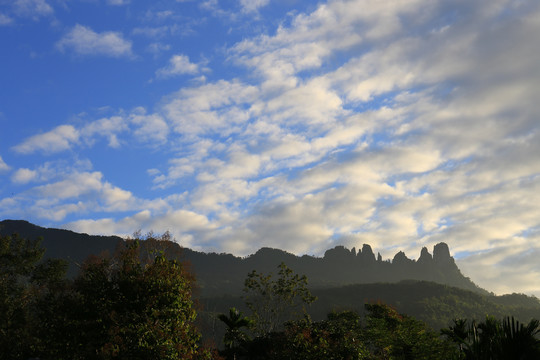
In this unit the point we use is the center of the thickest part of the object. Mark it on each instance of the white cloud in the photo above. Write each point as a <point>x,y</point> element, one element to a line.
<point>186,225</point>
<point>178,65</point>
<point>118,2</point>
<point>84,41</point>
<point>106,127</point>
<point>68,191</point>
<point>389,123</point>
<point>157,48</point>
<point>152,32</point>
<point>75,186</point>
<point>32,8</point>
<point>23,176</point>
<point>50,171</point>
<point>5,20</point>
<point>85,191</point>
<point>59,139</point>
<point>65,137</point>
<point>210,108</point>
<point>150,128</point>
<point>253,5</point>
<point>3,165</point>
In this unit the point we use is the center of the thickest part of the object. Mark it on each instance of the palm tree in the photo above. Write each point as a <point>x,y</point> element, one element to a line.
<point>458,333</point>
<point>496,340</point>
<point>519,341</point>
<point>234,335</point>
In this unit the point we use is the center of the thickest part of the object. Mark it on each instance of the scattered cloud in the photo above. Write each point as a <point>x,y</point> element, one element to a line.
<point>32,8</point>
<point>23,176</point>
<point>49,171</point>
<point>78,186</point>
<point>105,127</point>
<point>3,165</point>
<point>67,191</point>
<point>152,32</point>
<point>399,124</point>
<point>65,137</point>
<point>149,128</point>
<point>178,65</point>
<point>191,225</point>
<point>157,48</point>
<point>84,41</point>
<point>5,20</point>
<point>118,2</point>
<point>210,108</point>
<point>59,139</point>
<point>250,6</point>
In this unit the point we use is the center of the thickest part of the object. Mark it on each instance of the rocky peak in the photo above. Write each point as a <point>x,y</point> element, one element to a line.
<point>441,254</point>
<point>338,253</point>
<point>425,256</point>
<point>400,258</point>
<point>366,254</point>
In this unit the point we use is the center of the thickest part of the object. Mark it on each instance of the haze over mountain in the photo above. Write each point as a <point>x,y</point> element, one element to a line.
<point>219,274</point>
<point>431,288</point>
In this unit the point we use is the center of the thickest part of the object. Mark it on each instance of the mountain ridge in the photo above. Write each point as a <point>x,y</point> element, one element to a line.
<point>342,279</point>
<point>219,274</point>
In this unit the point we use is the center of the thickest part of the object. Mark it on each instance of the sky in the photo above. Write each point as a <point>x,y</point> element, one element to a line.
<point>290,124</point>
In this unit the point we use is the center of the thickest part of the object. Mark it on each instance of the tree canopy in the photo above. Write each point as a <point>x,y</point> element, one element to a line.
<point>275,301</point>
<point>132,305</point>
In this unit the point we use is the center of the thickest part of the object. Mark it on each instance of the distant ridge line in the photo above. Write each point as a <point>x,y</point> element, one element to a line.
<point>219,274</point>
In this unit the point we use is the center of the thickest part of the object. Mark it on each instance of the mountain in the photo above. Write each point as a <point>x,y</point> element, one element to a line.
<point>219,274</point>
<point>431,288</point>
<point>433,303</point>
<point>62,244</point>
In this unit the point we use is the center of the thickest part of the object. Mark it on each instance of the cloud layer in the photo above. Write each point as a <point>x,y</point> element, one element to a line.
<point>399,124</point>
<point>84,41</point>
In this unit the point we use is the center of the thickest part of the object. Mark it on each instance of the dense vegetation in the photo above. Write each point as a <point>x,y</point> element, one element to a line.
<point>382,333</point>
<point>139,304</point>
<point>132,305</point>
<point>435,304</point>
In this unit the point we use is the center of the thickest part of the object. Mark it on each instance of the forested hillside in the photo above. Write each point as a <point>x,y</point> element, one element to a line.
<point>219,274</point>
<point>139,302</point>
<point>431,288</point>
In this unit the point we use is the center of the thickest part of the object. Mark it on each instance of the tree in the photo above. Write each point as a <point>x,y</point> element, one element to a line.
<point>137,311</point>
<point>495,339</point>
<point>338,337</point>
<point>519,341</point>
<point>273,302</point>
<point>391,335</point>
<point>234,335</point>
<point>383,334</point>
<point>128,306</point>
<point>23,279</point>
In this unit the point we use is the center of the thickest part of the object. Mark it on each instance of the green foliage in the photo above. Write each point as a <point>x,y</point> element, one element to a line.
<point>390,335</point>
<point>384,334</point>
<point>338,337</point>
<point>234,336</point>
<point>125,309</point>
<point>135,305</point>
<point>432,303</point>
<point>495,339</point>
<point>272,302</point>
<point>23,279</point>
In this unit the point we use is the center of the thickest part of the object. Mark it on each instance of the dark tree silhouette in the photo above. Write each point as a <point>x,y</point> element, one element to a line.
<point>234,336</point>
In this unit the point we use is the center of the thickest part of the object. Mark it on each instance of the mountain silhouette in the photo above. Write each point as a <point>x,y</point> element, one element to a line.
<point>222,274</point>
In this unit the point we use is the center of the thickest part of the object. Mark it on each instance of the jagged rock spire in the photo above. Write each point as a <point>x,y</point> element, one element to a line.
<point>441,254</point>
<point>425,257</point>
<point>367,255</point>
<point>400,258</point>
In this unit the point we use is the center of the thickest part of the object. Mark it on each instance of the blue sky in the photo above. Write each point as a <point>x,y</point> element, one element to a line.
<point>284,123</point>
